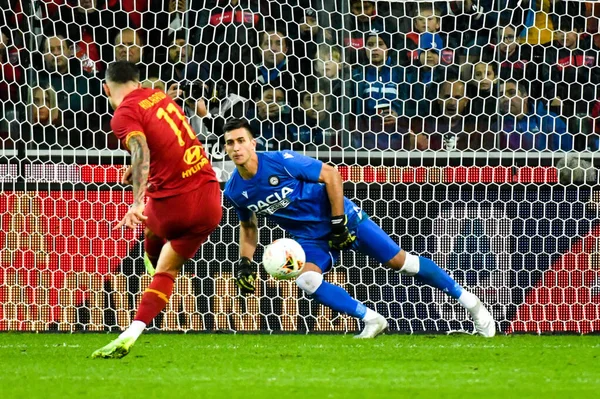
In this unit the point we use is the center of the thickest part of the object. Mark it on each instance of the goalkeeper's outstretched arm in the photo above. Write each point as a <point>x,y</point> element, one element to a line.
<point>248,237</point>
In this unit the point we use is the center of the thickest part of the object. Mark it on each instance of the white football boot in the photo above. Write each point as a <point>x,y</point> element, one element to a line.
<point>373,328</point>
<point>483,320</point>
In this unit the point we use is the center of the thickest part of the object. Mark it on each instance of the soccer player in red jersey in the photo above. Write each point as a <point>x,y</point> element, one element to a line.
<point>169,166</point>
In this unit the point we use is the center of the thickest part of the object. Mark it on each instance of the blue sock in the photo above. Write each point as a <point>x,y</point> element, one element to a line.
<point>339,300</point>
<point>431,274</point>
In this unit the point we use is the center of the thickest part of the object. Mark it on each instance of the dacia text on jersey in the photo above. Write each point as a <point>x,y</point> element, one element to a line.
<point>272,203</point>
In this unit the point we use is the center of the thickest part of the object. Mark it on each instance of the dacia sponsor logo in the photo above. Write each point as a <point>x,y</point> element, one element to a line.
<point>272,203</point>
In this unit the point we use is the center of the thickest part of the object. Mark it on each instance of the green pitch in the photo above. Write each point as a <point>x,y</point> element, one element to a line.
<point>298,366</point>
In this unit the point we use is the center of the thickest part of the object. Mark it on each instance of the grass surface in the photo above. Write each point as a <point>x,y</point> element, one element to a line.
<point>299,366</point>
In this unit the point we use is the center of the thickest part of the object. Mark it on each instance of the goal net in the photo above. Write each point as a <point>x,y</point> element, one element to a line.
<point>465,129</point>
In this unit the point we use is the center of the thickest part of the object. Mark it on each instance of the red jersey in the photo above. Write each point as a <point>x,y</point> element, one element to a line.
<point>178,163</point>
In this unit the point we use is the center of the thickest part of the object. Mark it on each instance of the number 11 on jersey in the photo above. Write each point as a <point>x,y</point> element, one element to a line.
<point>161,113</point>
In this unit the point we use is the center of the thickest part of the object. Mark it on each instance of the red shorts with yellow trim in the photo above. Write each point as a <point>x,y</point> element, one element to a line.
<point>186,220</point>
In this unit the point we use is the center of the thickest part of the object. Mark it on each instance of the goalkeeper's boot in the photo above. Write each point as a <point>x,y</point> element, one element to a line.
<point>373,328</point>
<point>116,349</point>
<point>483,320</point>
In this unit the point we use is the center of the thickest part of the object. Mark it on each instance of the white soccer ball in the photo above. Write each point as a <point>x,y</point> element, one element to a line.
<point>284,258</point>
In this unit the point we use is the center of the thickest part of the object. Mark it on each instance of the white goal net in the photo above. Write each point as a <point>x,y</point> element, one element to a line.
<point>466,129</point>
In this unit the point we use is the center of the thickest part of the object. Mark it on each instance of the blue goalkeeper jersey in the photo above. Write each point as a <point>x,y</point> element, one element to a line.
<point>286,190</point>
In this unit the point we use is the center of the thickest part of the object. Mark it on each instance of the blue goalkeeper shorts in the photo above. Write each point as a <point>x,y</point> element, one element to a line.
<point>371,240</point>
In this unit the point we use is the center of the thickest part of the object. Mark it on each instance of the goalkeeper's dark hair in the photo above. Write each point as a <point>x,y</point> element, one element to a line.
<point>122,72</point>
<point>236,123</point>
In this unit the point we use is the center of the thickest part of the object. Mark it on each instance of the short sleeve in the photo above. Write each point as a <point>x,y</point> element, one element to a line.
<point>244,214</point>
<point>300,166</point>
<point>125,125</point>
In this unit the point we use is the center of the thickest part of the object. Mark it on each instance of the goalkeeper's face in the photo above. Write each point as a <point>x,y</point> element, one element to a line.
<point>240,146</point>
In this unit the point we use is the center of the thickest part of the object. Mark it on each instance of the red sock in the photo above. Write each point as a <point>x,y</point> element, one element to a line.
<point>153,246</point>
<point>155,297</point>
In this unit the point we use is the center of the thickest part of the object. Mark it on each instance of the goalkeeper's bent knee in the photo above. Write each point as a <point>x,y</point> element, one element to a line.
<point>309,282</point>
<point>411,265</point>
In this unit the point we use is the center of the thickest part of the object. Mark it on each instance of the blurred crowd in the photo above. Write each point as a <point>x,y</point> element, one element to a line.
<point>489,75</point>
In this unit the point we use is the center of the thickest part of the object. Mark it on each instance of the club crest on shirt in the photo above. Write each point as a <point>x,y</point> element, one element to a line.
<point>274,180</point>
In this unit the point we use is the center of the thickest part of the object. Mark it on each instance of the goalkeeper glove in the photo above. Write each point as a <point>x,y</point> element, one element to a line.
<point>340,238</point>
<point>245,276</point>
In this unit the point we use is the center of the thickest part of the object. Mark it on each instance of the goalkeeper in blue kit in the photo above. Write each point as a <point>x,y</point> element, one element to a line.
<point>305,197</point>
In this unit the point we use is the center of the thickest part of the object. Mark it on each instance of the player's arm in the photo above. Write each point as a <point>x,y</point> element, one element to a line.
<point>340,237</point>
<point>308,169</point>
<point>140,167</point>
<point>245,269</point>
<point>248,237</point>
<point>335,190</point>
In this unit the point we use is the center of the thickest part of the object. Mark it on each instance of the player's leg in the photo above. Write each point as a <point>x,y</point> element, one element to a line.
<point>191,225</point>
<point>152,247</point>
<point>154,300</point>
<point>311,281</point>
<point>381,247</point>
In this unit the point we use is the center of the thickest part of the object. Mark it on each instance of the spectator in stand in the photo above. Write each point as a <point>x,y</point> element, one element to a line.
<point>311,120</point>
<point>365,16</point>
<point>89,25</point>
<point>328,64</point>
<point>129,46</point>
<point>278,69</point>
<point>383,96</point>
<point>180,66</point>
<point>429,69</point>
<point>571,74</point>
<point>75,88</point>
<point>312,36</point>
<point>451,125</point>
<point>154,82</point>
<point>227,37</point>
<point>11,71</point>
<point>480,91</point>
<point>527,126</point>
<point>425,19</point>
<point>378,86</point>
<point>383,132</point>
<point>44,110</point>
<point>515,60</point>
<point>476,20</point>
<point>271,117</point>
<point>540,18</point>
<point>46,119</point>
<point>12,85</point>
<point>52,127</point>
<point>329,67</point>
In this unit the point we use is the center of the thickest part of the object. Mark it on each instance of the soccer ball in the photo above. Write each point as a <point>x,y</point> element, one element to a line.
<point>284,258</point>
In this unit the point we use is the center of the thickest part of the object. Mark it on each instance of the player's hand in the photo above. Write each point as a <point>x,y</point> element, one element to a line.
<point>201,109</point>
<point>174,91</point>
<point>340,237</point>
<point>134,217</point>
<point>390,118</point>
<point>126,179</point>
<point>245,275</point>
